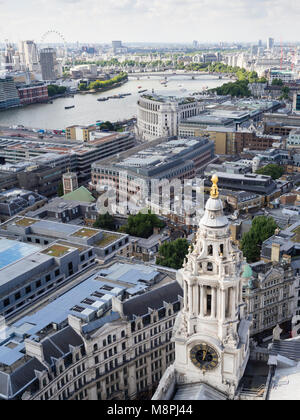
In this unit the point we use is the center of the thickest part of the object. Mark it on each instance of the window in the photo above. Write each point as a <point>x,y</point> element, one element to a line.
<point>28,289</point>
<point>17,295</point>
<point>38,283</point>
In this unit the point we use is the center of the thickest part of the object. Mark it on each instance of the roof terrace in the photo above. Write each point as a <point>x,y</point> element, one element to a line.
<point>85,233</point>
<point>57,250</point>
<point>106,240</point>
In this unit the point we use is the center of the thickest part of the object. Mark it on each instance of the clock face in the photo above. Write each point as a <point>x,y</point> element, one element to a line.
<point>204,357</point>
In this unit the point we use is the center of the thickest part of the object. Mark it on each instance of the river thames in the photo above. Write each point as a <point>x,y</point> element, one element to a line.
<point>88,110</point>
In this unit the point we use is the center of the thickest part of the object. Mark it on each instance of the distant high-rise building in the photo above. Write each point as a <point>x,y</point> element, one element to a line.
<point>116,45</point>
<point>48,63</point>
<point>260,43</point>
<point>29,53</point>
<point>270,43</point>
<point>195,44</point>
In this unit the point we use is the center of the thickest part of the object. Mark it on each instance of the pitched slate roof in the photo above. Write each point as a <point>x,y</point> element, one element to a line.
<point>139,305</point>
<point>286,348</point>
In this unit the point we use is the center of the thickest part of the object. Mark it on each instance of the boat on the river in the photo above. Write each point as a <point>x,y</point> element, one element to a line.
<point>142,91</point>
<point>69,107</point>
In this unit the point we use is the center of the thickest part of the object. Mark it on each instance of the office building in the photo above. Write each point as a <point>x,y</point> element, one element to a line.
<point>37,255</point>
<point>133,172</point>
<point>79,132</point>
<point>259,184</point>
<point>29,55</point>
<point>159,116</point>
<point>116,46</point>
<point>293,140</point>
<point>33,93</point>
<point>15,201</point>
<point>296,103</point>
<point>107,338</point>
<point>285,75</point>
<point>9,96</point>
<point>269,293</point>
<point>270,43</point>
<point>48,64</point>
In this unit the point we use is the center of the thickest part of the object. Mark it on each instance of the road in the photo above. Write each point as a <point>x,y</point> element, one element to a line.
<point>168,74</point>
<point>29,133</point>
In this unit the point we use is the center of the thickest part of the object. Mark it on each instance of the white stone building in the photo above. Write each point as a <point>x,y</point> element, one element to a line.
<point>159,116</point>
<point>270,296</point>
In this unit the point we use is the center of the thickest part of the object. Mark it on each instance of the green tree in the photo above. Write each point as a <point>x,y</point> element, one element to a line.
<point>142,225</point>
<point>262,80</point>
<point>56,90</point>
<point>285,92</point>
<point>262,228</point>
<point>82,86</point>
<point>172,254</point>
<point>105,221</point>
<point>277,82</point>
<point>273,170</point>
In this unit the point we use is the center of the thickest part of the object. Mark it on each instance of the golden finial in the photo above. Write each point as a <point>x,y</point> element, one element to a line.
<point>214,191</point>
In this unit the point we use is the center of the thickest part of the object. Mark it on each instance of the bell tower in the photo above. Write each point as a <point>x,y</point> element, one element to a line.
<point>211,332</point>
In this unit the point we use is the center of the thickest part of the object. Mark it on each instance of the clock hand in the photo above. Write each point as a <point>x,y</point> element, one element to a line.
<point>204,357</point>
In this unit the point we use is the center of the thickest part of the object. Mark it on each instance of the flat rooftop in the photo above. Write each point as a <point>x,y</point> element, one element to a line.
<point>13,251</point>
<point>82,300</point>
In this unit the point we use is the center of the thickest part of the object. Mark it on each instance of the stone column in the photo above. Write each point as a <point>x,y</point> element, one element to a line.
<point>185,295</point>
<point>190,299</point>
<point>213,302</point>
<point>223,304</point>
<point>202,301</point>
<point>233,304</point>
<point>196,296</point>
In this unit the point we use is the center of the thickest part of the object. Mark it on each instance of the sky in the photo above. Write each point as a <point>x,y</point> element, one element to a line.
<point>98,21</point>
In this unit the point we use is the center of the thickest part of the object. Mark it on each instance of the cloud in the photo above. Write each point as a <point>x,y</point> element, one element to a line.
<point>141,20</point>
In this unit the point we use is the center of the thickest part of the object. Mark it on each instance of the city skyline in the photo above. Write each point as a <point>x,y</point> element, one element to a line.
<point>141,21</point>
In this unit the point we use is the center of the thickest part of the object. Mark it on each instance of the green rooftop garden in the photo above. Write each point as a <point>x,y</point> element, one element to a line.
<point>85,232</point>
<point>56,250</point>
<point>106,240</point>
<point>296,237</point>
<point>25,222</point>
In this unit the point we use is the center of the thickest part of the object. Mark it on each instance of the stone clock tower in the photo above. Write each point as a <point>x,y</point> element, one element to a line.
<point>211,333</point>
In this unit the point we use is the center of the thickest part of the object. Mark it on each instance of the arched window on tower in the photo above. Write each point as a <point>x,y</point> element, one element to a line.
<point>210,250</point>
<point>221,249</point>
<point>209,266</point>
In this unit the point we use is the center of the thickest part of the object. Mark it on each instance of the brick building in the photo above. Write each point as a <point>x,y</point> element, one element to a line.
<point>254,141</point>
<point>32,94</point>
